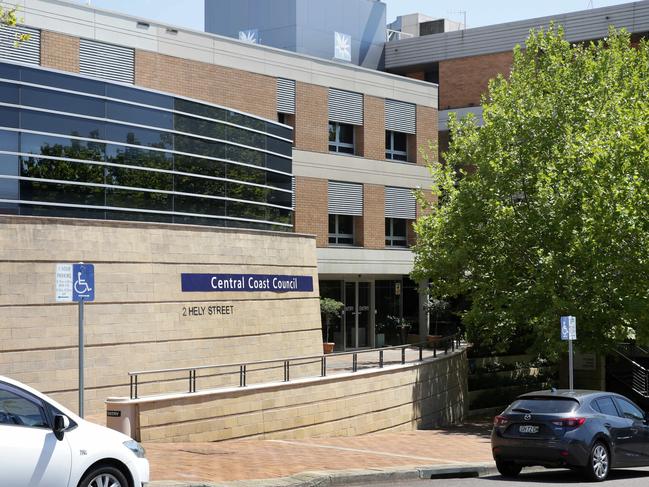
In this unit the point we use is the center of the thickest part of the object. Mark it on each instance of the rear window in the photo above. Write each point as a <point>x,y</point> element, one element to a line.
<point>541,405</point>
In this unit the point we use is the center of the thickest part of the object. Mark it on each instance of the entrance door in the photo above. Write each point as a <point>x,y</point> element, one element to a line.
<point>357,314</point>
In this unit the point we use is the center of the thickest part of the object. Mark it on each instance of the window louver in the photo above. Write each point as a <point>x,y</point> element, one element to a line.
<point>345,199</point>
<point>345,107</point>
<point>285,96</point>
<point>106,61</point>
<point>400,203</point>
<point>400,116</point>
<point>28,51</point>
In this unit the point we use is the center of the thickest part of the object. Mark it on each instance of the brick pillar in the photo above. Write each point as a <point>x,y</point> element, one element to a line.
<point>426,131</point>
<point>59,51</point>
<point>311,214</point>
<point>311,117</point>
<point>373,221</point>
<point>372,143</point>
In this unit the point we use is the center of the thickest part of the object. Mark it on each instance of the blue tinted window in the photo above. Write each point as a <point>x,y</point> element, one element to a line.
<point>35,167</point>
<point>9,117</point>
<point>278,180</point>
<point>9,166</point>
<point>134,156</point>
<point>279,146</point>
<point>63,102</point>
<point>210,187</point>
<point>9,93</point>
<point>139,115</point>
<point>63,81</point>
<point>245,192</point>
<point>248,156</point>
<point>280,131</point>
<point>139,96</point>
<point>62,147</point>
<point>195,165</point>
<point>280,198</point>
<point>199,109</point>
<point>61,193</point>
<point>8,141</point>
<point>243,173</point>
<point>62,124</point>
<point>138,136</point>
<point>245,210</point>
<point>137,178</point>
<point>198,126</point>
<point>279,163</point>
<point>9,71</point>
<point>201,206</point>
<point>201,147</point>
<point>124,198</point>
<point>245,121</point>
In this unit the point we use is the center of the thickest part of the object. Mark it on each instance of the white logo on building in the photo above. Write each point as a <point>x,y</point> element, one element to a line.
<point>343,47</point>
<point>250,36</point>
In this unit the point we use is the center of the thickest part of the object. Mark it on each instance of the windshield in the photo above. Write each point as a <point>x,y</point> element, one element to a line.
<point>541,405</point>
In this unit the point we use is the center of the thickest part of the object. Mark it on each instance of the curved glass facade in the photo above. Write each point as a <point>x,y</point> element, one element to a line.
<point>77,147</point>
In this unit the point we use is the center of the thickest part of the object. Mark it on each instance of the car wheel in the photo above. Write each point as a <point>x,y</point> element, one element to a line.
<point>599,463</point>
<point>104,476</point>
<point>508,469</point>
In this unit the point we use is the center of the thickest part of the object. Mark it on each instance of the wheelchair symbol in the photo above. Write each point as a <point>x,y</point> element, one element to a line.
<point>81,286</point>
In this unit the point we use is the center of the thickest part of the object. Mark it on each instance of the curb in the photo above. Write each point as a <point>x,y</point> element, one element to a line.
<point>349,477</point>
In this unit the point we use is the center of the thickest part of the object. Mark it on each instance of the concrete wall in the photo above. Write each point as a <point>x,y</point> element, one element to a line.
<point>395,398</point>
<point>139,320</point>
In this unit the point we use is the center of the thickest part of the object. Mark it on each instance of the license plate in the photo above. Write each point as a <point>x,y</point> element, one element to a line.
<point>528,429</point>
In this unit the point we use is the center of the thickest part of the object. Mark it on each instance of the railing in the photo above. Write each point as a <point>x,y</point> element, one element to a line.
<point>397,35</point>
<point>639,376</point>
<point>446,343</point>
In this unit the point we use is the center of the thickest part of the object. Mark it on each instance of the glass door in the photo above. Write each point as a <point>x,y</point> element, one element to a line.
<point>358,312</point>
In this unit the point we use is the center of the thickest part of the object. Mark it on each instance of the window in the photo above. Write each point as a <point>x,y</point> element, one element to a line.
<point>341,138</point>
<point>341,230</point>
<point>606,406</point>
<point>19,411</point>
<point>395,232</point>
<point>396,146</point>
<point>629,411</point>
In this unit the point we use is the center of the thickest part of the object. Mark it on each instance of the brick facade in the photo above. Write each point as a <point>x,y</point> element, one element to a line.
<point>59,51</point>
<point>233,88</point>
<point>373,222</point>
<point>463,81</point>
<point>311,208</point>
<point>426,133</point>
<point>311,117</point>
<point>372,143</point>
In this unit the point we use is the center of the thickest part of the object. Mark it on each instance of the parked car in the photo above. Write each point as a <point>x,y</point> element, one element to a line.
<point>43,444</point>
<point>592,431</point>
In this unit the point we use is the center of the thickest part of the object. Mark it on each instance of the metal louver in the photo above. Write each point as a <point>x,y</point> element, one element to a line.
<point>400,116</point>
<point>345,107</point>
<point>400,203</point>
<point>285,96</point>
<point>345,199</point>
<point>28,51</point>
<point>293,184</point>
<point>106,61</point>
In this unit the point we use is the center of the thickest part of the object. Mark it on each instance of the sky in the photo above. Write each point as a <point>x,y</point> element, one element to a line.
<point>189,13</point>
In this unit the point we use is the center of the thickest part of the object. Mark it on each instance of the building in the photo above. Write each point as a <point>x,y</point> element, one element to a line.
<point>156,151</point>
<point>348,31</point>
<point>463,61</point>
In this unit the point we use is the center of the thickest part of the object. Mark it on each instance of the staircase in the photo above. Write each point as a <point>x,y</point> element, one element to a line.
<point>627,373</point>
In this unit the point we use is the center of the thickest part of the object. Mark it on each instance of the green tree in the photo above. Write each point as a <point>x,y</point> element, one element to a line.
<point>553,216</point>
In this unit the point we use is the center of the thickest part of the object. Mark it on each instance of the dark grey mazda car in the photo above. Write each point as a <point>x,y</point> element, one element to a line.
<point>587,430</point>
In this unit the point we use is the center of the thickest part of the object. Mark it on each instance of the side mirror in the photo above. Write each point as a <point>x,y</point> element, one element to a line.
<point>61,423</point>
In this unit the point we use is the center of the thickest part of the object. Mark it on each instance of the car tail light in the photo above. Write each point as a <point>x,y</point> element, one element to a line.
<point>570,422</point>
<point>500,421</point>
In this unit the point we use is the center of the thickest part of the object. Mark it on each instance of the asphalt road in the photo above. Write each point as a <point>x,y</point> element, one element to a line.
<point>618,478</point>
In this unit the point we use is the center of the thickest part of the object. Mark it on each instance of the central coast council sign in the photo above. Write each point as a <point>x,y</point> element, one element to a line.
<point>202,283</point>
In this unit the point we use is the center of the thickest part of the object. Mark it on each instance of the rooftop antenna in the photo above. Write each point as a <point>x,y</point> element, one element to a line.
<point>590,4</point>
<point>463,12</point>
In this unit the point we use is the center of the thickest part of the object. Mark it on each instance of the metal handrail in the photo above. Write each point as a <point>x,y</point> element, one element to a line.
<point>451,341</point>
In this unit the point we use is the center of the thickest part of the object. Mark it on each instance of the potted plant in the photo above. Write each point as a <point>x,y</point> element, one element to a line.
<point>329,308</point>
<point>380,330</point>
<point>402,326</point>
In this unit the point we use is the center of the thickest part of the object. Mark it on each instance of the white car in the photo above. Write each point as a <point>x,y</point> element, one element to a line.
<point>42,444</point>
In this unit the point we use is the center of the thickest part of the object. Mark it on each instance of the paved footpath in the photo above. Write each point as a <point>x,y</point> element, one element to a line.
<point>328,461</point>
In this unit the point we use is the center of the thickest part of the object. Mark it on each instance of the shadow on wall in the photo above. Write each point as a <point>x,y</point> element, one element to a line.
<point>440,394</point>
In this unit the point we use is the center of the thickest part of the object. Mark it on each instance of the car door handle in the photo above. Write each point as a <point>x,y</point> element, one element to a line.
<point>607,425</point>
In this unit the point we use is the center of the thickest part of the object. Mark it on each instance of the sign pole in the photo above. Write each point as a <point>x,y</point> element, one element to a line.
<point>570,367</point>
<point>81,356</point>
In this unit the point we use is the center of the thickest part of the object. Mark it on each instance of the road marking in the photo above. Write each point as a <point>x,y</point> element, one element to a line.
<point>357,450</point>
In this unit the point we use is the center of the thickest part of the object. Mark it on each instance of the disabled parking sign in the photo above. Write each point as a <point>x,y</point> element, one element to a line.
<point>75,282</point>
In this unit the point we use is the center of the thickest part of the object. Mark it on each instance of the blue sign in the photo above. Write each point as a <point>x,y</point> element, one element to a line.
<point>201,283</point>
<point>83,282</point>
<point>568,328</point>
